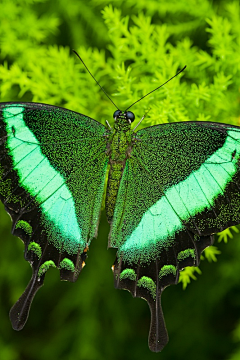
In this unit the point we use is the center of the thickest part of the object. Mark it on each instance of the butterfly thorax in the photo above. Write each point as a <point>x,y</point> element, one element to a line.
<point>120,144</point>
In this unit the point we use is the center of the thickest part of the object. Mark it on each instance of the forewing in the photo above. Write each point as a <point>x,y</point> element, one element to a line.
<point>52,168</point>
<point>180,185</point>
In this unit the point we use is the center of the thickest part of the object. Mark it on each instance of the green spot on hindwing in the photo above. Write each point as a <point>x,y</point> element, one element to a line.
<point>128,274</point>
<point>24,225</point>
<point>167,270</point>
<point>45,266</point>
<point>182,255</point>
<point>149,284</point>
<point>35,248</point>
<point>67,264</point>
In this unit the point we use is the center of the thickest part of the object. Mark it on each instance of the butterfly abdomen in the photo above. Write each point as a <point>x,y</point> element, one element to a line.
<point>114,178</point>
<point>120,148</point>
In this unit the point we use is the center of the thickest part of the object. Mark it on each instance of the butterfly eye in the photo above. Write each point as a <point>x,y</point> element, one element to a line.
<point>116,113</point>
<point>130,116</point>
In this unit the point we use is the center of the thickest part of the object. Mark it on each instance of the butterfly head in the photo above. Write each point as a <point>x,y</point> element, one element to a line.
<point>123,117</point>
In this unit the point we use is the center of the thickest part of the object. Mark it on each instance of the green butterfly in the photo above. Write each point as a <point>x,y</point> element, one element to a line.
<point>170,188</point>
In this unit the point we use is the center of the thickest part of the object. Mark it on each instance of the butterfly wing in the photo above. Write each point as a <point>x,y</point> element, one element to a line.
<point>53,164</point>
<point>180,185</point>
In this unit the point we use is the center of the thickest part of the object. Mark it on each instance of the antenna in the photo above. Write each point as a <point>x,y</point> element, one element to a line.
<point>109,96</point>
<point>95,79</point>
<point>156,88</point>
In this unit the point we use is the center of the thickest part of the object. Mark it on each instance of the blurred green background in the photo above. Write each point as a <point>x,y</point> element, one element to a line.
<point>130,47</point>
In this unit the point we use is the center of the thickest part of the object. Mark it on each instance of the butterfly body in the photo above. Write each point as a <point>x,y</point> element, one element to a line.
<point>170,188</point>
<point>119,148</point>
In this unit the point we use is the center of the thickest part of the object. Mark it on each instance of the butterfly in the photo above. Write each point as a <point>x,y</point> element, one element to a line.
<point>170,188</point>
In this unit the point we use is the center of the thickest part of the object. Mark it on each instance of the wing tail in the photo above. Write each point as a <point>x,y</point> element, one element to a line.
<point>20,310</point>
<point>158,335</point>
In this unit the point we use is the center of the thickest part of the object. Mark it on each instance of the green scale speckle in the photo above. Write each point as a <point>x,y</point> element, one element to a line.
<point>67,264</point>
<point>128,274</point>
<point>182,255</point>
<point>36,248</point>
<point>149,284</point>
<point>45,266</point>
<point>166,270</point>
<point>24,225</point>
